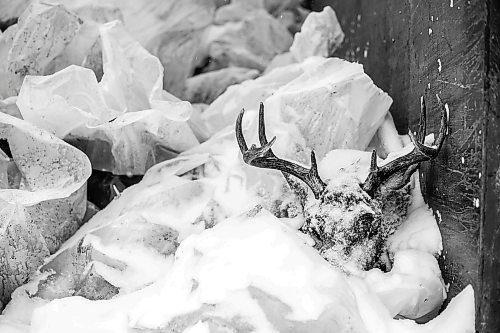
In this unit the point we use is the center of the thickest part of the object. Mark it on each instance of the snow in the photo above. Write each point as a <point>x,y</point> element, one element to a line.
<point>224,261</point>
<point>458,317</point>
<point>223,265</point>
<point>199,327</point>
<point>388,138</point>
<point>419,231</point>
<point>247,266</point>
<point>413,288</point>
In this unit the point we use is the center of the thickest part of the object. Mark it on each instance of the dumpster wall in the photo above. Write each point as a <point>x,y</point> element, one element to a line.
<point>451,48</point>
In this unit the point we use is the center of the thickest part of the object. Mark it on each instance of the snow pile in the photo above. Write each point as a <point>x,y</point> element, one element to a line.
<point>126,117</point>
<point>243,274</point>
<point>42,196</point>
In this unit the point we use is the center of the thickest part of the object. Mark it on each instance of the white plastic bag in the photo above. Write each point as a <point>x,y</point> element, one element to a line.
<point>46,205</point>
<point>42,33</point>
<point>126,123</point>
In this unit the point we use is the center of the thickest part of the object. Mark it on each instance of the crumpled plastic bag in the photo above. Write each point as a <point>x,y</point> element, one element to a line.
<point>250,42</point>
<point>85,48</point>
<point>236,11</point>
<point>133,78</point>
<point>133,142</point>
<point>150,219</point>
<point>63,101</point>
<point>9,107</point>
<point>320,35</point>
<point>333,102</point>
<point>289,13</point>
<point>169,29</point>
<point>50,37</point>
<point>206,87</point>
<point>125,123</point>
<point>178,44</point>
<point>12,9</point>
<point>41,34</point>
<point>42,201</point>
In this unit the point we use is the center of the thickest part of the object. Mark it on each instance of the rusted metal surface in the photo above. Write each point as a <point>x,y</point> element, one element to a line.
<point>448,47</point>
<point>489,307</point>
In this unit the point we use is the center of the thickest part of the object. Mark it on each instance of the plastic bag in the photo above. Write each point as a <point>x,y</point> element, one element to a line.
<point>42,204</point>
<point>125,123</point>
<point>333,102</point>
<point>28,47</point>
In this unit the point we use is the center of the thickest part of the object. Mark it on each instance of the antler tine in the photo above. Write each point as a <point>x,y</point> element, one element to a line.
<point>422,124</point>
<point>263,157</point>
<point>438,142</point>
<point>396,174</point>
<point>443,129</point>
<point>262,126</point>
<point>239,132</point>
<point>373,163</point>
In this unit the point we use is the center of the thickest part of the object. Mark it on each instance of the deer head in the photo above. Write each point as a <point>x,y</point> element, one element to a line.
<point>345,218</point>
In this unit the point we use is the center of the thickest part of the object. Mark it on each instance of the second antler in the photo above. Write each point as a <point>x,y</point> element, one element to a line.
<point>397,173</point>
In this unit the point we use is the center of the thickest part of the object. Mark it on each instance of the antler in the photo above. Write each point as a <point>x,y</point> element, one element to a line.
<point>397,173</point>
<point>263,157</point>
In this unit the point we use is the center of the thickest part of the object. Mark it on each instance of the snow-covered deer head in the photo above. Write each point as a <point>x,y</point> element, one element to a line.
<point>346,218</point>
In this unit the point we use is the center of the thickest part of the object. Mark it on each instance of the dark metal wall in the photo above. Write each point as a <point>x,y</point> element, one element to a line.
<point>490,240</point>
<point>412,48</point>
